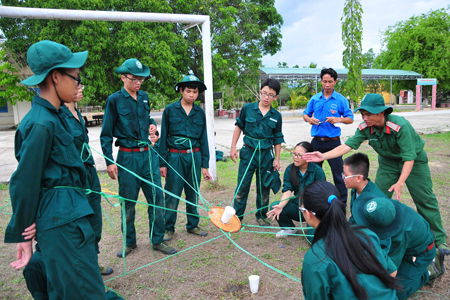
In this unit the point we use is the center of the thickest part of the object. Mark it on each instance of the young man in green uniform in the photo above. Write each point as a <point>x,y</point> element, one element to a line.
<point>401,159</point>
<point>127,118</point>
<point>412,247</point>
<point>51,168</point>
<point>184,151</point>
<point>262,125</point>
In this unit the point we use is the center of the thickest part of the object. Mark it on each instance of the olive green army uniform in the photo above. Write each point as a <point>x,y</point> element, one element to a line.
<point>183,146</point>
<point>128,120</point>
<point>48,159</point>
<point>260,133</point>
<point>322,278</point>
<point>397,143</point>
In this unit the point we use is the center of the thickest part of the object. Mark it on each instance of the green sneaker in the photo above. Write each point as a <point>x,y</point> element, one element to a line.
<point>263,222</point>
<point>164,248</point>
<point>445,248</point>
<point>197,231</point>
<point>168,236</point>
<point>128,250</point>
<point>105,270</point>
<point>436,269</point>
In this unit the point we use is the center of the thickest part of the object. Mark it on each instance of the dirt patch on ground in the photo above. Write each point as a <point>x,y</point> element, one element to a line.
<point>218,269</point>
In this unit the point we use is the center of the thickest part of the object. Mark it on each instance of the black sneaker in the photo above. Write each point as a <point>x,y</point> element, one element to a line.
<point>128,250</point>
<point>105,270</point>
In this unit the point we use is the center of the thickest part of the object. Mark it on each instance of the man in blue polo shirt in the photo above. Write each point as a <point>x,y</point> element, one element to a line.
<point>330,110</point>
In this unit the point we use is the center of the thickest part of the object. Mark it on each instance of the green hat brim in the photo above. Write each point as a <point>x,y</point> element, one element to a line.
<point>124,70</point>
<point>375,110</point>
<point>77,61</point>
<point>201,86</point>
<point>382,232</point>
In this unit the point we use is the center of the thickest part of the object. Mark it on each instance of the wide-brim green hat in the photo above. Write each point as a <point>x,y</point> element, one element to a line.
<point>380,214</point>
<point>374,104</point>
<point>45,56</point>
<point>191,80</point>
<point>134,67</point>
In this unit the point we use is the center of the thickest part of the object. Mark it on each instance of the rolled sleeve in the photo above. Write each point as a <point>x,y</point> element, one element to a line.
<point>204,147</point>
<point>278,133</point>
<point>287,184</point>
<point>240,121</point>
<point>405,140</point>
<point>309,108</point>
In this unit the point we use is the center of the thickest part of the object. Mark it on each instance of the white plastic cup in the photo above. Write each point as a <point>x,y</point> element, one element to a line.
<point>228,213</point>
<point>254,283</point>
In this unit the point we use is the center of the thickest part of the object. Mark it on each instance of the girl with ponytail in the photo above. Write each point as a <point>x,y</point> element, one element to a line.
<point>345,261</point>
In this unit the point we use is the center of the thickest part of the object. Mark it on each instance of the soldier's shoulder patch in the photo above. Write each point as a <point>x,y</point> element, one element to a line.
<point>362,126</point>
<point>393,126</point>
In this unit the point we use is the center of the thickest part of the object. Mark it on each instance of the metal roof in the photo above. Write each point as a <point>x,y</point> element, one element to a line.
<point>308,73</point>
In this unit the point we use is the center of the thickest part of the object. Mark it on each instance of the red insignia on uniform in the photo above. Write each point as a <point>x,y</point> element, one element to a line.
<point>362,126</point>
<point>332,111</point>
<point>392,126</point>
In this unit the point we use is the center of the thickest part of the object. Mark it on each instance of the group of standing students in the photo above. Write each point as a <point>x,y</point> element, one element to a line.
<point>377,254</point>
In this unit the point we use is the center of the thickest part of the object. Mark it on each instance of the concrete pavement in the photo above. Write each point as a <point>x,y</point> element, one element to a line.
<point>295,130</point>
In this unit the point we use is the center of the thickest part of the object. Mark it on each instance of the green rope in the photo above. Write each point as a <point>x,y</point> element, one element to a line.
<point>441,296</point>
<point>267,265</point>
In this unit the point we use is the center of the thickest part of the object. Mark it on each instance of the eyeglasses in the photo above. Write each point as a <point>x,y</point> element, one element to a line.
<point>346,177</point>
<point>264,94</point>
<point>302,209</point>
<point>296,155</point>
<point>77,79</point>
<point>141,80</point>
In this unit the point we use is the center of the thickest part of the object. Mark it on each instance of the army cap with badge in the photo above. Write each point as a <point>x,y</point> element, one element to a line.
<point>192,81</point>
<point>374,104</point>
<point>134,67</point>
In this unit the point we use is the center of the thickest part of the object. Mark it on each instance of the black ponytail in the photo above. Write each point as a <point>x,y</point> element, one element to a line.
<point>348,246</point>
<point>294,169</point>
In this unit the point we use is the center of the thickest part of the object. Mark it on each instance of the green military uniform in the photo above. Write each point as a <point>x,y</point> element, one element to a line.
<point>183,145</point>
<point>412,246</point>
<point>371,188</point>
<point>397,143</point>
<point>128,120</point>
<point>290,211</point>
<point>48,159</point>
<point>322,278</point>
<point>261,133</point>
<point>80,136</point>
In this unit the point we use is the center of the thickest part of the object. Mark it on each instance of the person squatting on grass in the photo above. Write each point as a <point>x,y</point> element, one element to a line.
<point>262,127</point>
<point>55,177</point>
<point>297,176</point>
<point>345,261</point>
<point>401,158</point>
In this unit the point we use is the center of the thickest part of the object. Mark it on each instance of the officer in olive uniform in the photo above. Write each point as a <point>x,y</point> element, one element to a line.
<point>127,117</point>
<point>54,176</point>
<point>413,246</point>
<point>184,151</point>
<point>262,125</point>
<point>401,159</point>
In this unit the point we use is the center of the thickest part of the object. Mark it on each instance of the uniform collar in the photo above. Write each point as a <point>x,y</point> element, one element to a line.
<point>256,107</point>
<point>309,169</point>
<point>43,102</point>
<point>333,95</point>
<point>127,95</point>
<point>178,105</point>
<point>386,128</point>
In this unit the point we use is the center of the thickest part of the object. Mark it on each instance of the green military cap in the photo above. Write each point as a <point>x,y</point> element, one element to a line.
<point>379,214</point>
<point>272,180</point>
<point>134,67</point>
<point>45,56</point>
<point>191,80</point>
<point>374,104</point>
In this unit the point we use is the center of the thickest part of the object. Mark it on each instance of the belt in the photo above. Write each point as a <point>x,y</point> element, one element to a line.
<point>184,151</point>
<point>88,165</point>
<point>142,149</point>
<point>248,146</point>
<point>326,139</point>
<point>430,246</point>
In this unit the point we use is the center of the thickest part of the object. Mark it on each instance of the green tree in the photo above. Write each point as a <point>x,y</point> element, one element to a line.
<point>282,65</point>
<point>420,44</point>
<point>352,55</point>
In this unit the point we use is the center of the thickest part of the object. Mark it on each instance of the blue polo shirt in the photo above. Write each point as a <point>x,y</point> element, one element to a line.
<point>335,106</point>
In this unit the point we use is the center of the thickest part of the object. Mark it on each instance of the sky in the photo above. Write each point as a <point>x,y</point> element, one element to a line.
<point>312,28</point>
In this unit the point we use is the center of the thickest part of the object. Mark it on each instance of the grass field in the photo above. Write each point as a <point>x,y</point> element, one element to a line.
<point>219,268</point>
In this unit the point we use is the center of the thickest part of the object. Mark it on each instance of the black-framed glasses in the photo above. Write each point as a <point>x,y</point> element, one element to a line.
<point>302,209</point>
<point>296,155</point>
<point>264,94</point>
<point>346,177</point>
<point>133,80</point>
<point>77,79</point>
